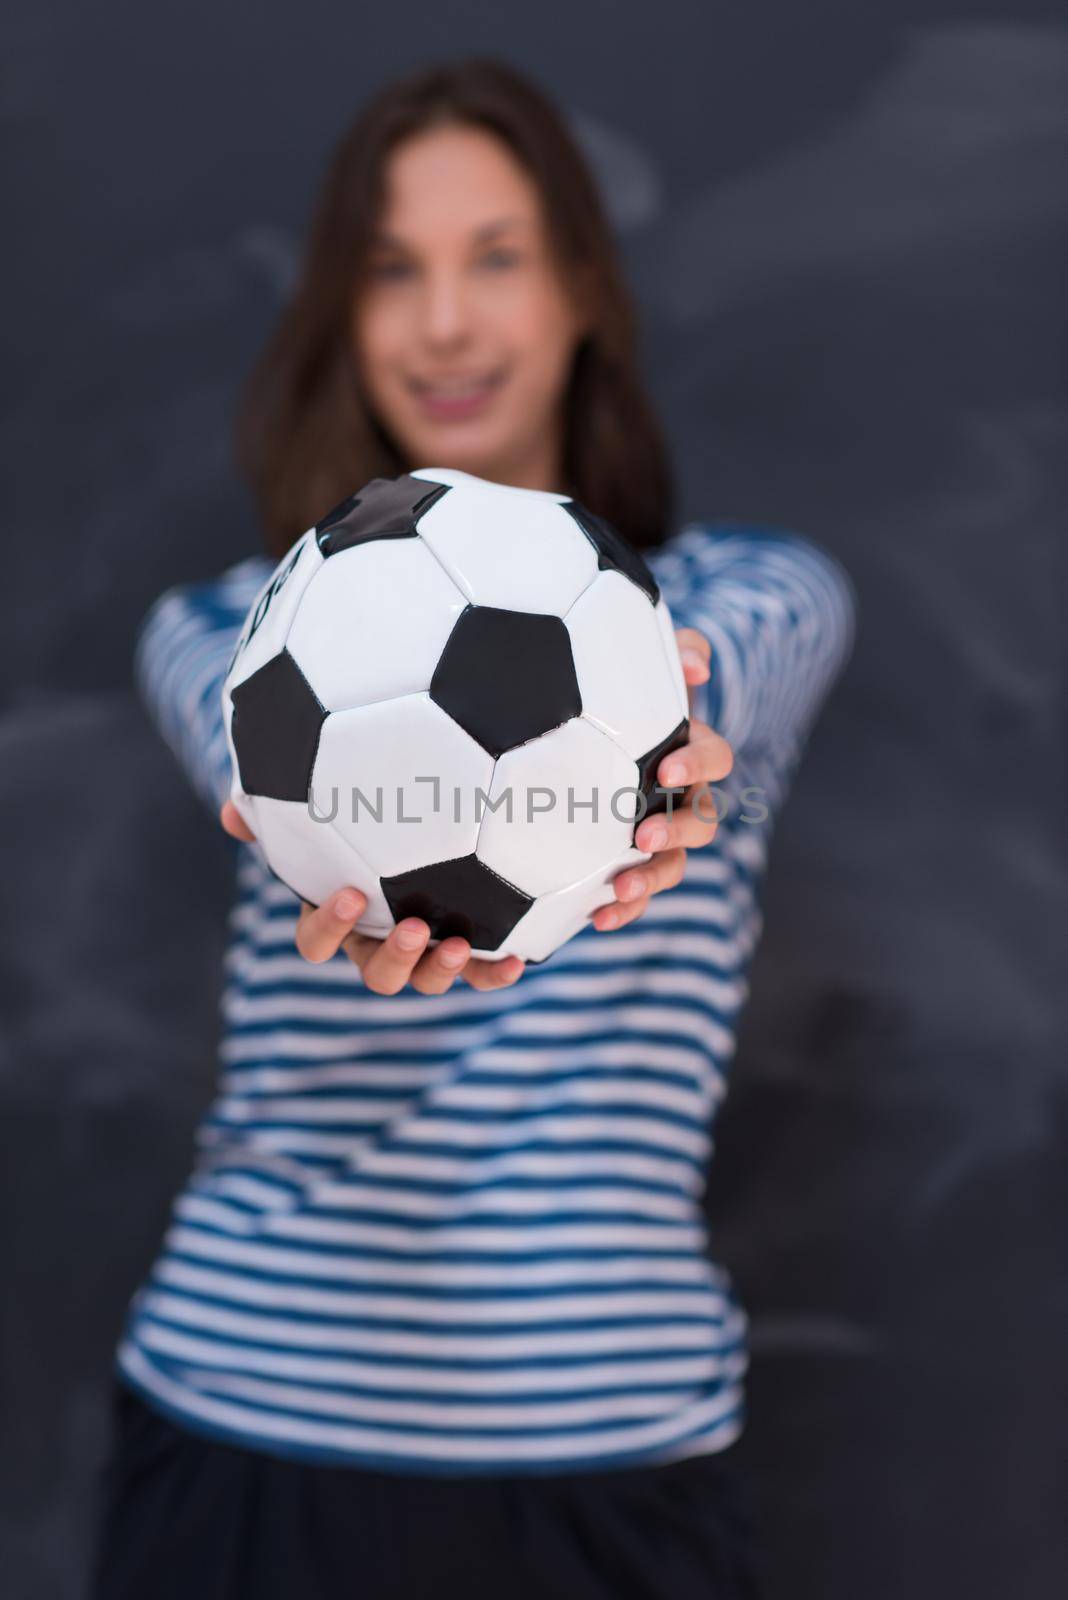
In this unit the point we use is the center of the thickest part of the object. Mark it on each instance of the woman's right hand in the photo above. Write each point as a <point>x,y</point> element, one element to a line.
<point>387,965</point>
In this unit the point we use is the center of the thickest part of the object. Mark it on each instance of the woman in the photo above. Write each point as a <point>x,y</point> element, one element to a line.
<point>436,1303</point>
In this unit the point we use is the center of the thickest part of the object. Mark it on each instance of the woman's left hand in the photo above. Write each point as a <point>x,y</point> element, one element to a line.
<point>692,822</point>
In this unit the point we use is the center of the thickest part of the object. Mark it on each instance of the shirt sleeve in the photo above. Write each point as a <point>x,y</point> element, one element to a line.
<point>780,614</point>
<point>181,656</point>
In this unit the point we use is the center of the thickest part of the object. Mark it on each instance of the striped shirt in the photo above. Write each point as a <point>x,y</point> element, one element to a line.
<point>464,1233</point>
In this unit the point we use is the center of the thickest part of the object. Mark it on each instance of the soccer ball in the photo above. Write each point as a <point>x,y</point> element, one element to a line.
<point>454,695</point>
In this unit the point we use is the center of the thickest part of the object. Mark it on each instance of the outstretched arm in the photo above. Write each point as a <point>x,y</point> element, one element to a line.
<point>779,612</point>
<point>181,656</point>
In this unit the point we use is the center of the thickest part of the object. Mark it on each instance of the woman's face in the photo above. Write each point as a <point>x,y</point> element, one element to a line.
<point>464,332</point>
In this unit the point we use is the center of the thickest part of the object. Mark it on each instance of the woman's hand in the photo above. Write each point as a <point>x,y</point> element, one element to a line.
<point>387,964</point>
<point>692,822</point>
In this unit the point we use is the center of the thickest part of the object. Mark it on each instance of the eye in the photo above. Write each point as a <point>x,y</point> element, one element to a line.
<point>500,257</point>
<point>389,270</point>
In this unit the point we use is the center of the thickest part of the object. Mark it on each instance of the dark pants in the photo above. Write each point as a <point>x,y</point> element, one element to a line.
<point>184,1517</point>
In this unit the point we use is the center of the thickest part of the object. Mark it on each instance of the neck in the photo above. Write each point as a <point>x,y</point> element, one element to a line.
<point>540,467</point>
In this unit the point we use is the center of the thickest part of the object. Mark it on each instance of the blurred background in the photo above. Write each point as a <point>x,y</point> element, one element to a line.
<point>845,226</point>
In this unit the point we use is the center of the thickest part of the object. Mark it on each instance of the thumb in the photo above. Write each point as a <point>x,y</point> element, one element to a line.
<point>235,824</point>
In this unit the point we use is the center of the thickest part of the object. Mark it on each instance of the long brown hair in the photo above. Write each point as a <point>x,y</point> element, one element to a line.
<point>306,436</point>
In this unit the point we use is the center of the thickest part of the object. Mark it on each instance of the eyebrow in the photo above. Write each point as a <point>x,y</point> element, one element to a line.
<point>486,231</point>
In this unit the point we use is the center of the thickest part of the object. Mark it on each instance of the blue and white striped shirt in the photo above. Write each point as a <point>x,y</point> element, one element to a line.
<point>464,1233</point>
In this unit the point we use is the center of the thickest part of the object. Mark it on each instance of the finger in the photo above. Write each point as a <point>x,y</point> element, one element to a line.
<point>691,825</point>
<point>322,929</point>
<point>360,947</point>
<point>695,653</point>
<point>234,823</point>
<point>662,872</point>
<point>390,966</point>
<point>493,974</point>
<point>607,918</point>
<point>478,973</point>
<point>439,968</point>
<point>707,758</point>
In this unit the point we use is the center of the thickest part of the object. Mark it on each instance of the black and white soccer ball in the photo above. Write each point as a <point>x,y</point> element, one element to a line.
<point>454,695</point>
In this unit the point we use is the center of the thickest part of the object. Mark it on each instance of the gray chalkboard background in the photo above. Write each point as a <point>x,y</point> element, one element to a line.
<point>842,222</point>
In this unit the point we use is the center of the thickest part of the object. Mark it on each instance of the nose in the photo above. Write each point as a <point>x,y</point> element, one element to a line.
<point>446,308</point>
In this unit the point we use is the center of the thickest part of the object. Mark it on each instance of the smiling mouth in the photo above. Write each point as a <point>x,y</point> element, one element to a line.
<point>457,390</point>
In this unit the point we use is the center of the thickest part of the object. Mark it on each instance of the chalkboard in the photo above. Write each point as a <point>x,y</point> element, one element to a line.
<point>845,227</point>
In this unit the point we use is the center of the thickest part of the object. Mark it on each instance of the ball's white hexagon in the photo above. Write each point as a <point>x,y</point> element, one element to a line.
<point>373,624</point>
<point>555,918</point>
<point>666,624</point>
<point>271,614</point>
<point>314,860</point>
<point>467,480</point>
<point>543,850</point>
<point>623,674</point>
<point>486,538</point>
<point>390,747</point>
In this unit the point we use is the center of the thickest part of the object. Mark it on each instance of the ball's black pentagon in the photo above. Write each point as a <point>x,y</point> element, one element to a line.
<point>614,554</point>
<point>385,508</point>
<point>276,725</point>
<point>461,897</point>
<point>506,676</point>
<point>656,799</point>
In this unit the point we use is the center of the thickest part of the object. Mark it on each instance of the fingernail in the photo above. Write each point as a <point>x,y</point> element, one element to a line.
<point>410,935</point>
<point>674,772</point>
<point>655,837</point>
<point>347,905</point>
<point>451,957</point>
<point>610,919</point>
<point>694,658</point>
<point>633,888</point>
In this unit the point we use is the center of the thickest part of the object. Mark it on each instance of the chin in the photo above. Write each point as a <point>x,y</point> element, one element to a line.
<point>450,448</point>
